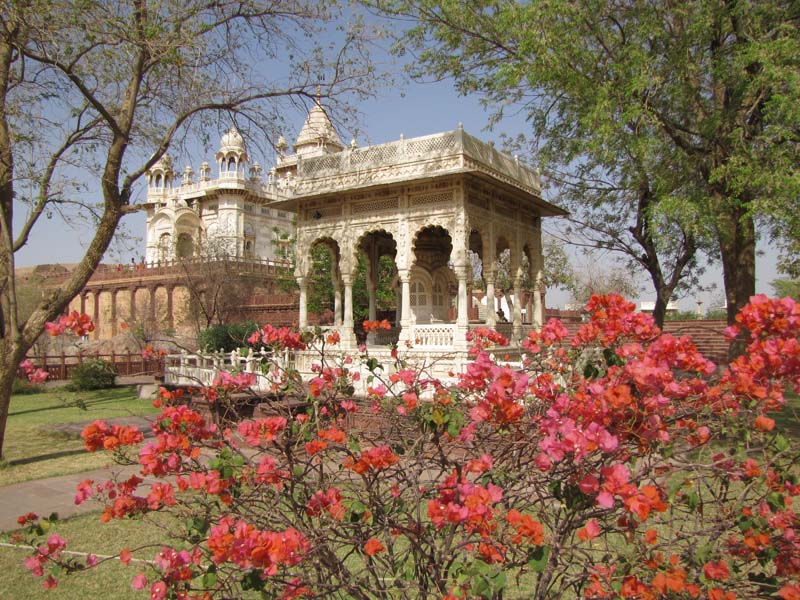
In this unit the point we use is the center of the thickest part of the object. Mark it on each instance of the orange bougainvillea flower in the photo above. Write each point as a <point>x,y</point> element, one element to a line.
<point>373,547</point>
<point>790,592</point>
<point>763,423</point>
<point>718,571</point>
<point>590,531</point>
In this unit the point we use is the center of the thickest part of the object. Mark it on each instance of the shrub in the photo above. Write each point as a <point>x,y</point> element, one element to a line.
<point>22,386</point>
<point>226,337</point>
<point>647,475</point>
<point>93,374</point>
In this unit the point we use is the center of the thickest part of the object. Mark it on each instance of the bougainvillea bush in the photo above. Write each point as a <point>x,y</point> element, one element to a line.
<point>616,463</point>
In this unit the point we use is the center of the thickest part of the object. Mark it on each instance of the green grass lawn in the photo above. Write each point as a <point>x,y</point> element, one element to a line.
<point>35,450</point>
<point>788,420</point>
<point>84,534</point>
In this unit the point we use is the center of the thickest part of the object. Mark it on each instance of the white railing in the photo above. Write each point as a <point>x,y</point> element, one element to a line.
<point>439,336</point>
<point>201,369</point>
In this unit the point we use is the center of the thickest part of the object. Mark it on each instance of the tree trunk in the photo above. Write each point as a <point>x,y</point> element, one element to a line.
<point>660,309</point>
<point>738,252</point>
<point>8,371</point>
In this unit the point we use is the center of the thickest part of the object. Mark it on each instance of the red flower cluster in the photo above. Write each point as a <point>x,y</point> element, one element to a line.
<point>34,374</point>
<point>277,338</point>
<point>261,431</point>
<point>240,543</point>
<point>150,352</point>
<point>552,333</point>
<point>612,318</point>
<point>329,501</point>
<point>109,437</point>
<point>484,337</point>
<point>465,504</point>
<point>51,551</point>
<point>374,459</point>
<point>79,324</point>
<point>527,530</point>
<point>178,430</point>
<point>376,325</point>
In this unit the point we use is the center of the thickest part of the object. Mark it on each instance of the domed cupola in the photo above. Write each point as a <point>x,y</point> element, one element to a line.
<point>159,176</point>
<point>232,154</point>
<point>318,136</point>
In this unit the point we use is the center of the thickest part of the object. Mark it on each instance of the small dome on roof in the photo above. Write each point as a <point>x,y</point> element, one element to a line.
<point>164,164</point>
<point>317,130</point>
<point>232,141</point>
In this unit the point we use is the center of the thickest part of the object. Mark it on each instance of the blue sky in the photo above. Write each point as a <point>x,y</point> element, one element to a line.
<point>409,108</point>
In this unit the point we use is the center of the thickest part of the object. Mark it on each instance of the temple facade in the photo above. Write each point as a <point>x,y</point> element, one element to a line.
<point>219,213</point>
<point>447,208</point>
<point>448,211</point>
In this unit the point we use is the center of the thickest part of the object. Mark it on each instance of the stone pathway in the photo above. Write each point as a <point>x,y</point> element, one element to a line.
<point>57,494</point>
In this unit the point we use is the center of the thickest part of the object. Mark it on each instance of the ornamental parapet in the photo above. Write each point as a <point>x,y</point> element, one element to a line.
<point>175,268</point>
<point>449,152</point>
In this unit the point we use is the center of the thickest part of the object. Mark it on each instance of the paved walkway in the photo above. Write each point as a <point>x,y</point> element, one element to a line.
<point>46,496</point>
<point>57,494</point>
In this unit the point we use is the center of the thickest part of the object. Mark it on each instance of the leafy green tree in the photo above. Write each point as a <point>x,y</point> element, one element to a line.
<point>787,287</point>
<point>385,296</point>
<point>679,118</point>
<point>557,272</point>
<point>93,93</point>
<point>590,281</point>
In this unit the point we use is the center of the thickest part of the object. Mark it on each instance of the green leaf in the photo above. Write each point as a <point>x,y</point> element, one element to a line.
<point>538,557</point>
<point>692,501</point>
<point>252,581</point>
<point>455,424</point>
<point>210,577</point>
<point>781,443</point>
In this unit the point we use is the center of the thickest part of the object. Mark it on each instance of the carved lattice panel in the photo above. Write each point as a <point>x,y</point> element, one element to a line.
<point>313,166</point>
<point>439,197</point>
<point>375,205</point>
<point>431,145</point>
<point>375,155</point>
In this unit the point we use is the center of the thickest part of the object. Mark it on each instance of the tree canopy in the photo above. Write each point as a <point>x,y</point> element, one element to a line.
<point>93,93</point>
<point>677,123</point>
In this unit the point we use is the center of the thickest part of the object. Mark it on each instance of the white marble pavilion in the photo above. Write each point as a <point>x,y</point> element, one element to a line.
<point>437,205</point>
<point>427,202</point>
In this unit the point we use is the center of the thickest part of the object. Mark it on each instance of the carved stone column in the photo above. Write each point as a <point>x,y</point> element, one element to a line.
<point>132,292</point>
<point>96,314</point>
<point>536,308</point>
<point>113,313</point>
<point>337,293</point>
<point>303,319</point>
<point>491,309</point>
<point>406,322</point>
<point>347,333</point>
<point>170,307</point>
<point>462,318</point>
<point>517,310</point>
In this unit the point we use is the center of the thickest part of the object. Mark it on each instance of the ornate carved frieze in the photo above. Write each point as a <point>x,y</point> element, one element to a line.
<point>434,198</point>
<point>374,205</point>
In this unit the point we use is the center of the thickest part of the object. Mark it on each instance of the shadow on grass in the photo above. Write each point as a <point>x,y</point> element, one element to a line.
<point>103,398</point>
<point>787,420</point>
<point>41,457</point>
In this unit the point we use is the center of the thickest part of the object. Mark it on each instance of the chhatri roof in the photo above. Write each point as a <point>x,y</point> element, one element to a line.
<point>406,160</point>
<point>232,141</point>
<point>318,128</point>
